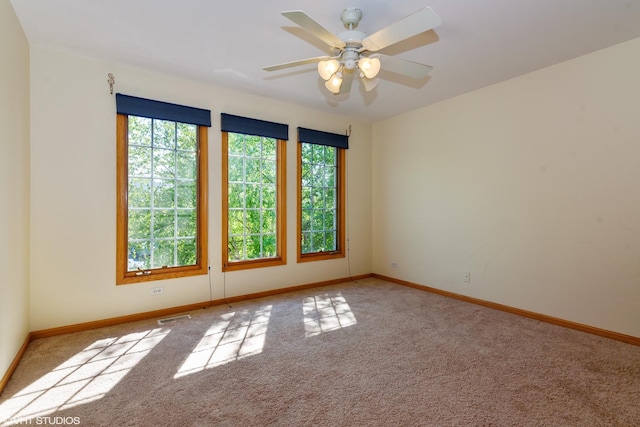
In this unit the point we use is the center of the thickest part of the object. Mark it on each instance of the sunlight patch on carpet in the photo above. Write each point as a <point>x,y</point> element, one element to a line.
<point>324,313</point>
<point>234,336</point>
<point>86,377</point>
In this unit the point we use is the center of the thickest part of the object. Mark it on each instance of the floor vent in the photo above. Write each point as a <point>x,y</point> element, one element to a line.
<point>172,319</point>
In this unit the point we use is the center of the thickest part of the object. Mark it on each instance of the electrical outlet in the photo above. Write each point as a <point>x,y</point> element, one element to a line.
<point>467,277</point>
<point>157,291</point>
<point>394,265</point>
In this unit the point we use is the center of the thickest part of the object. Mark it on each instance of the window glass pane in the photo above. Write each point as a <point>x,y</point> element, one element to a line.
<point>329,220</point>
<point>252,194</point>
<point>269,196</point>
<point>187,194</point>
<point>236,248</point>
<point>254,249</point>
<point>306,242</point>
<point>163,193</point>
<point>307,152</point>
<point>330,198</point>
<point>269,148</point>
<point>317,172</point>
<point>253,221</point>
<point>139,255</point>
<point>268,220</point>
<point>139,192</point>
<point>306,219</point>
<point>236,144</point>
<point>236,169</point>
<point>330,155</point>
<point>164,134</point>
<point>186,252</point>
<point>163,253</point>
<point>236,222</point>
<point>329,241</point>
<point>317,241</point>
<point>252,146</point>
<point>317,219</point>
<point>139,223</point>
<point>318,154</point>
<point>186,223</point>
<point>236,196</point>
<point>307,175</point>
<point>329,176</point>
<point>306,197</point>
<point>163,223</point>
<point>268,170</point>
<point>139,131</point>
<point>164,163</point>
<point>186,165</point>
<point>269,248</point>
<point>252,170</point>
<point>140,161</point>
<point>187,139</point>
<point>317,197</point>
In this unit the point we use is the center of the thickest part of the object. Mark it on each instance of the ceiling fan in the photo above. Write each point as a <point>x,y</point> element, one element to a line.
<point>352,51</point>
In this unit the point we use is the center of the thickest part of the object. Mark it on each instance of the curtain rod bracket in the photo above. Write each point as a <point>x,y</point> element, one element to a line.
<point>111,80</point>
<point>348,131</point>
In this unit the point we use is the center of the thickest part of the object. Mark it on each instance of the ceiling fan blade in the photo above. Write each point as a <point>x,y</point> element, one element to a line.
<point>347,80</point>
<point>296,63</point>
<point>419,22</point>
<point>346,84</point>
<point>370,84</point>
<point>307,23</point>
<point>411,69</point>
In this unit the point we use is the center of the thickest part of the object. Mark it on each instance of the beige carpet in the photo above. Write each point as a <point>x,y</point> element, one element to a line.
<point>370,353</point>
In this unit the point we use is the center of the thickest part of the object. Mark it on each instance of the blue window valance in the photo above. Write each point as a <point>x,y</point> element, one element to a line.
<point>142,107</point>
<point>238,124</point>
<point>323,138</point>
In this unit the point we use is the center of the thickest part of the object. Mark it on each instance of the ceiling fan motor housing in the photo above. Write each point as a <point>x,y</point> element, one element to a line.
<point>350,59</point>
<point>351,52</point>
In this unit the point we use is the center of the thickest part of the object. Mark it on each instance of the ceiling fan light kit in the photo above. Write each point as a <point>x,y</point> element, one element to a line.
<point>328,68</point>
<point>369,67</point>
<point>334,83</point>
<point>351,49</point>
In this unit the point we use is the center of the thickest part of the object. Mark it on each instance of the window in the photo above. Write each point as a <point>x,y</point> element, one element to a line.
<point>253,193</point>
<point>162,190</point>
<point>321,195</point>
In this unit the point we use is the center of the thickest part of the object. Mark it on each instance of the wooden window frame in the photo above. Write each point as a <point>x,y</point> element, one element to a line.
<point>122,181</point>
<point>281,211</point>
<point>340,234</point>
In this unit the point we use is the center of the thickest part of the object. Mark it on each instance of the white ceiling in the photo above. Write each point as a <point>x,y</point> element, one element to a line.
<point>480,42</point>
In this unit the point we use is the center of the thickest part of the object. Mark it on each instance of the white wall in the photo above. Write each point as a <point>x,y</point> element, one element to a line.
<point>531,185</point>
<point>14,186</point>
<point>73,192</point>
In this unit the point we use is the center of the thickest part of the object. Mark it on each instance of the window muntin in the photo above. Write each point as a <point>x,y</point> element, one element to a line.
<point>253,201</point>
<point>162,172</point>
<point>320,202</point>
